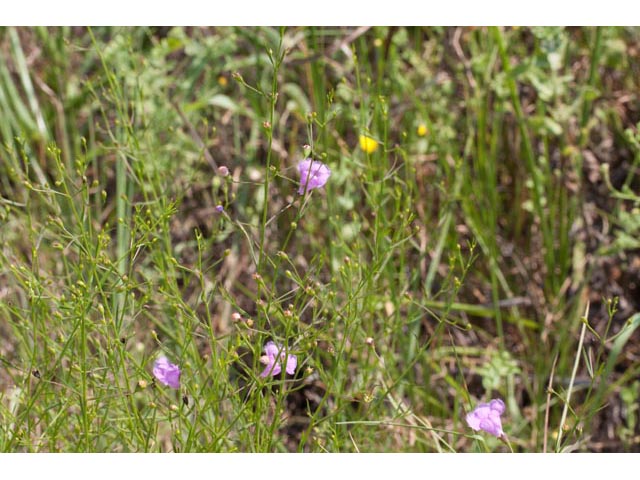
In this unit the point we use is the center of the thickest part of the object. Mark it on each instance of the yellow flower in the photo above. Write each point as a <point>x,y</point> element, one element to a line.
<point>422,130</point>
<point>368,144</point>
<point>222,81</point>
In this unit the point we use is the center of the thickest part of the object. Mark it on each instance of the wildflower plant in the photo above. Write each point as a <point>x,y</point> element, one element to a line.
<point>154,212</point>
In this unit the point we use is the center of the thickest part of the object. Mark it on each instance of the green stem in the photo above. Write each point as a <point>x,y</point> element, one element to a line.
<point>593,72</point>
<point>573,377</point>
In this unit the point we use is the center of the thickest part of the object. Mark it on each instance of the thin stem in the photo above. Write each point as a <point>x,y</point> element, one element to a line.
<point>572,379</point>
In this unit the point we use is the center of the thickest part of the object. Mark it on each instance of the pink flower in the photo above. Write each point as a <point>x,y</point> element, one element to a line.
<point>273,361</point>
<point>486,416</point>
<point>166,372</point>
<point>313,174</point>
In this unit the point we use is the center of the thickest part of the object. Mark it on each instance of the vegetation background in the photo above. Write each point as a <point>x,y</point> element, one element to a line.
<point>483,244</point>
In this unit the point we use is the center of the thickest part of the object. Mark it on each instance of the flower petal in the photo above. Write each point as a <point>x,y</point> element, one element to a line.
<point>497,405</point>
<point>492,427</point>
<point>304,166</point>
<point>292,363</point>
<point>473,420</point>
<point>271,349</point>
<point>272,368</point>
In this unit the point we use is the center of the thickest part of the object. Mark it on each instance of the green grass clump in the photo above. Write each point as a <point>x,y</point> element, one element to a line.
<point>149,207</point>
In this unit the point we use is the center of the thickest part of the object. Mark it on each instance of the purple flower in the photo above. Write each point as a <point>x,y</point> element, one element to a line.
<point>486,416</point>
<point>313,174</point>
<point>166,372</point>
<point>219,208</point>
<point>274,364</point>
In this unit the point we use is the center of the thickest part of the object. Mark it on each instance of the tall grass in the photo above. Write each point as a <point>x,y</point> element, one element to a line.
<point>446,266</point>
